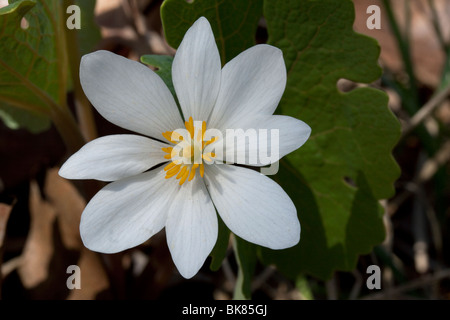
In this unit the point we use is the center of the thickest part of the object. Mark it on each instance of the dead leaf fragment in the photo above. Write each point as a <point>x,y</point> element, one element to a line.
<point>38,248</point>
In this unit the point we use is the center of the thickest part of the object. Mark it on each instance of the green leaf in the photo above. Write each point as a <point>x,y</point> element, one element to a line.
<point>32,121</point>
<point>245,253</point>
<point>338,176</point>
<point>233,22</point>
<point>219,251</point>
<point>79,41</point>
<point>89,33</point>
<point>304,288</point>
<point>164,68</point>
<point>33,69</point>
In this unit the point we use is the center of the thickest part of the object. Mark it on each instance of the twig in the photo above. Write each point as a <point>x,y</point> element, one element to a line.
<point>138,23</point>
<point>426,110</point>
<point>262,277</point>
<point>229,275</point>
<point>150,41</point>
<point>423,281</point>
<point>331,287</point>
<point>436,233</point>
<point>139,20</point>
<point>404,48</point>
<point>432,165</point>
<point>5,211</point>
<point>11,265</point>
<point>437,25</point>
<point>356,289</point>
<point>419,225</point>
<point>426,172</point>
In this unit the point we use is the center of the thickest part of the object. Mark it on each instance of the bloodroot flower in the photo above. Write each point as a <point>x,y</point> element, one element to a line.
<point>153,186</point>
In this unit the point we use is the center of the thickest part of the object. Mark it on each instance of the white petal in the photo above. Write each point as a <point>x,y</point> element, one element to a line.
<point>253,206</point>
<point>264,140</point>
<point>251,84</point>
<point>127,212</point>
<point>196,71</point>
<point>129,94</point>
<point>191,227</point>
<point>113,157</point>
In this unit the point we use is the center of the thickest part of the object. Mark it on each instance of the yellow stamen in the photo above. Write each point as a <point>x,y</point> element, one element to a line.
<point>184,176</point>
<point>173,171</point>
<point>190,127</point>
<point>169,166</point>
<point>182,164</point>
<point>192,174</point>
<point>199,135</point>
<point>203,129</point>
<point>202,170</point>
<point>188,151</point>
<point>168,135</point>
<point>182,171</point>
<point>208,156</point>
<point>209,142</point>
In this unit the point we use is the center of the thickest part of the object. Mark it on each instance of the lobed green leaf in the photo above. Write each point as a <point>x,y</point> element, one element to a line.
<point>233,22</point>
<point>346,166</point>
<point>33,69</point>
<point>338,177</point>
<point>163,65</point>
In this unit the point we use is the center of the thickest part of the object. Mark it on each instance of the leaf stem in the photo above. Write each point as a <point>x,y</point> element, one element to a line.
<point>82,105</point>
<point>67,128</point>
<point>245,253</point>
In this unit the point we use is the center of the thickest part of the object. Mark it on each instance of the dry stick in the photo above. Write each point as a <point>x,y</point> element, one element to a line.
<point>432,165</point>
<point>427,171</point>
<point>435,230</point>
<point>228,272</point>
<point>423,281</point>
<point>139,20</point>
<point>153,43</point>
<point>331,288</point>
<point>131,9</point>
<point>419,225</point>
<point>356,289</point>
<point>5,211</point>
<point>426,110</point>
<point>263,277</point>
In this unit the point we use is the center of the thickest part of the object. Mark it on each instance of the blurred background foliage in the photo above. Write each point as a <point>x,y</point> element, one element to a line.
<point>365,100</point>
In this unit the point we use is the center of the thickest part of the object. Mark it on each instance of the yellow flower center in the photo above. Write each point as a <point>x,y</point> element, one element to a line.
<point>188,153</point>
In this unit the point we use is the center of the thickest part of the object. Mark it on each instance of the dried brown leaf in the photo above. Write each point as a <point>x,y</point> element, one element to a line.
<point>93,277</point>
<point>69,205</point>
<point>5,211</point>
<point>426,51</point>
<point>38,248</point>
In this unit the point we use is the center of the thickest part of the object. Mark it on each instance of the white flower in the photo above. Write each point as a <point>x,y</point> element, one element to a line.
<point>181,197</point>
